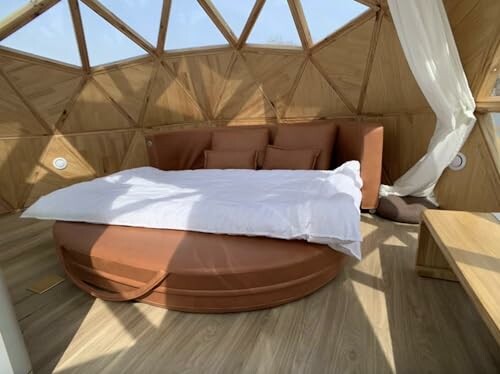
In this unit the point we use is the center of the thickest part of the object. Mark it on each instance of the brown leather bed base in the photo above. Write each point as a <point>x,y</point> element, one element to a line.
<point>190,271</point>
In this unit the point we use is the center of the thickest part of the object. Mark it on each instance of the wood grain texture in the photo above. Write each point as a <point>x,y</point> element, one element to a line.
<point>431,262</point>
<point>314,97</point>
<point>94,111</point>
<point>127,86</point>
<point>371,319</point>
<point>276,73</point>
<point>203,75</point>
<point>18,159</point>
<point>474,47</point>
<point>46,178</point>
<point>391,86</point>
<point>47,89</point>
<point>242,96</point>
<point>136,155</point>
<point>477,186</point>
<point>470,243</point>
<point>104,152</point>
<point>16,119</point>
<point>169,102</point>
<point>344,61</point>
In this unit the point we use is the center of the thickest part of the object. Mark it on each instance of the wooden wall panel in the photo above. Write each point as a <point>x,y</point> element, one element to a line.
<point>88,156</point>
<point>47,178</point>
<point>94,111</point>
<point>314,97</point>
<point>242,96</point>
<point>203,75</point>
<point>104,152</point>
<point>15,117</point>
<point>137,155</point>
<point>276,73</point>
<point>391,86</point>
<point>169,102</point>
<point>18,159</point>
<point>127,86</point>
<point>476,27</point>
<point>477,186</point>
<point>47,89</point>
<point>344,61</point>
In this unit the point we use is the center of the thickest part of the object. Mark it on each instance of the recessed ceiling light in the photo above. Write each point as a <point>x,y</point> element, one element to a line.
<point>60,163</point>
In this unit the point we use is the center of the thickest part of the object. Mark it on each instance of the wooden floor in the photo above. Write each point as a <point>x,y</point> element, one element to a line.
<point>377,316</point>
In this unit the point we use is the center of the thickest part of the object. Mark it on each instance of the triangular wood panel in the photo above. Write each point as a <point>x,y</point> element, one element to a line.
<point>15,117</point>
<point>48,179</point>
<point>94,111</point>
<point>475,27</point>
<point>242,96</point>
<point>314,97</point>
<point>18,159</point>
<point>47,89</point>
<point>127,86</point>
<point>169,103</point>
<point>137,155</point>
<point>277,74</point>
<point>104,152</point>
<point>203,76</point>
<point>391,86</point>
<point>344,61</point>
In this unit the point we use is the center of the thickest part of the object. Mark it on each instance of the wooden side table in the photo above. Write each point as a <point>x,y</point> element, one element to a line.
<point>464,247</point>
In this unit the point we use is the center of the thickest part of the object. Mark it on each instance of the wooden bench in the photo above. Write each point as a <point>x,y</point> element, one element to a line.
<point>464,247</point>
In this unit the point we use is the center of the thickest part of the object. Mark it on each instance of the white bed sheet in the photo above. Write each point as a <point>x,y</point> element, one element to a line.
<point>317,206</point>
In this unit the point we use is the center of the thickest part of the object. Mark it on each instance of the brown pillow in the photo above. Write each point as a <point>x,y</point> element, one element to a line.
<point>290,159</point>
<point>242,140</point>
<point>308,136</point>
<point>230,160</point>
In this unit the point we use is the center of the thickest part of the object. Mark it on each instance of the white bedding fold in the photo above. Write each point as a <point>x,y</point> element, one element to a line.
<point>317,206</point>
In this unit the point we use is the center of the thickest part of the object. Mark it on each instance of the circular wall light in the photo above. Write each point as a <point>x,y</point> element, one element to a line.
<point>60,163</point>
<point>458,162</point>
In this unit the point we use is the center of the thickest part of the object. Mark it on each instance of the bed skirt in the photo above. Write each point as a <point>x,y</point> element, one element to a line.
<point>191,271</point>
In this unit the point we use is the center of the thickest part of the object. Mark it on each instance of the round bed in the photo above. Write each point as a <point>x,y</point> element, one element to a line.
<point>199,272</point>
<point>191,271</point>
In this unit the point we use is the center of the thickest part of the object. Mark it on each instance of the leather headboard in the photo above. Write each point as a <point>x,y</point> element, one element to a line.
<point>184,149</point>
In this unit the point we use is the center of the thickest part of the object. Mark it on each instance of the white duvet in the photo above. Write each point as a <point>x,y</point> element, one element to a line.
<point>317,206</point>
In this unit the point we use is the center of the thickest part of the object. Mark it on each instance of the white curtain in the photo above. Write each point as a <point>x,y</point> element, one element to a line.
<point>427,41</point>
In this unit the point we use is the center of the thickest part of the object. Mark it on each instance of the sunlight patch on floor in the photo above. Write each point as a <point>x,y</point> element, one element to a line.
<point>368,286</point>
<point>102,316</point>
<point>394,240</point>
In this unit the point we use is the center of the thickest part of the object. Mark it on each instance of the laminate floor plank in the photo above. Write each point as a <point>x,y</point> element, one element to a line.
<point>377,316</point>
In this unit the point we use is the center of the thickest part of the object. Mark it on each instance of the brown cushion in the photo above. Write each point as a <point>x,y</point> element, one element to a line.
<point>407,209</point>
<point>242,140</point>
<point>320,137</point>
<point>290,159</point>
<point>230,160</point>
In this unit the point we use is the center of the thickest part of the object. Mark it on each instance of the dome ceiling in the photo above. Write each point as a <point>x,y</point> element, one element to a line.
<point>116,30</point>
